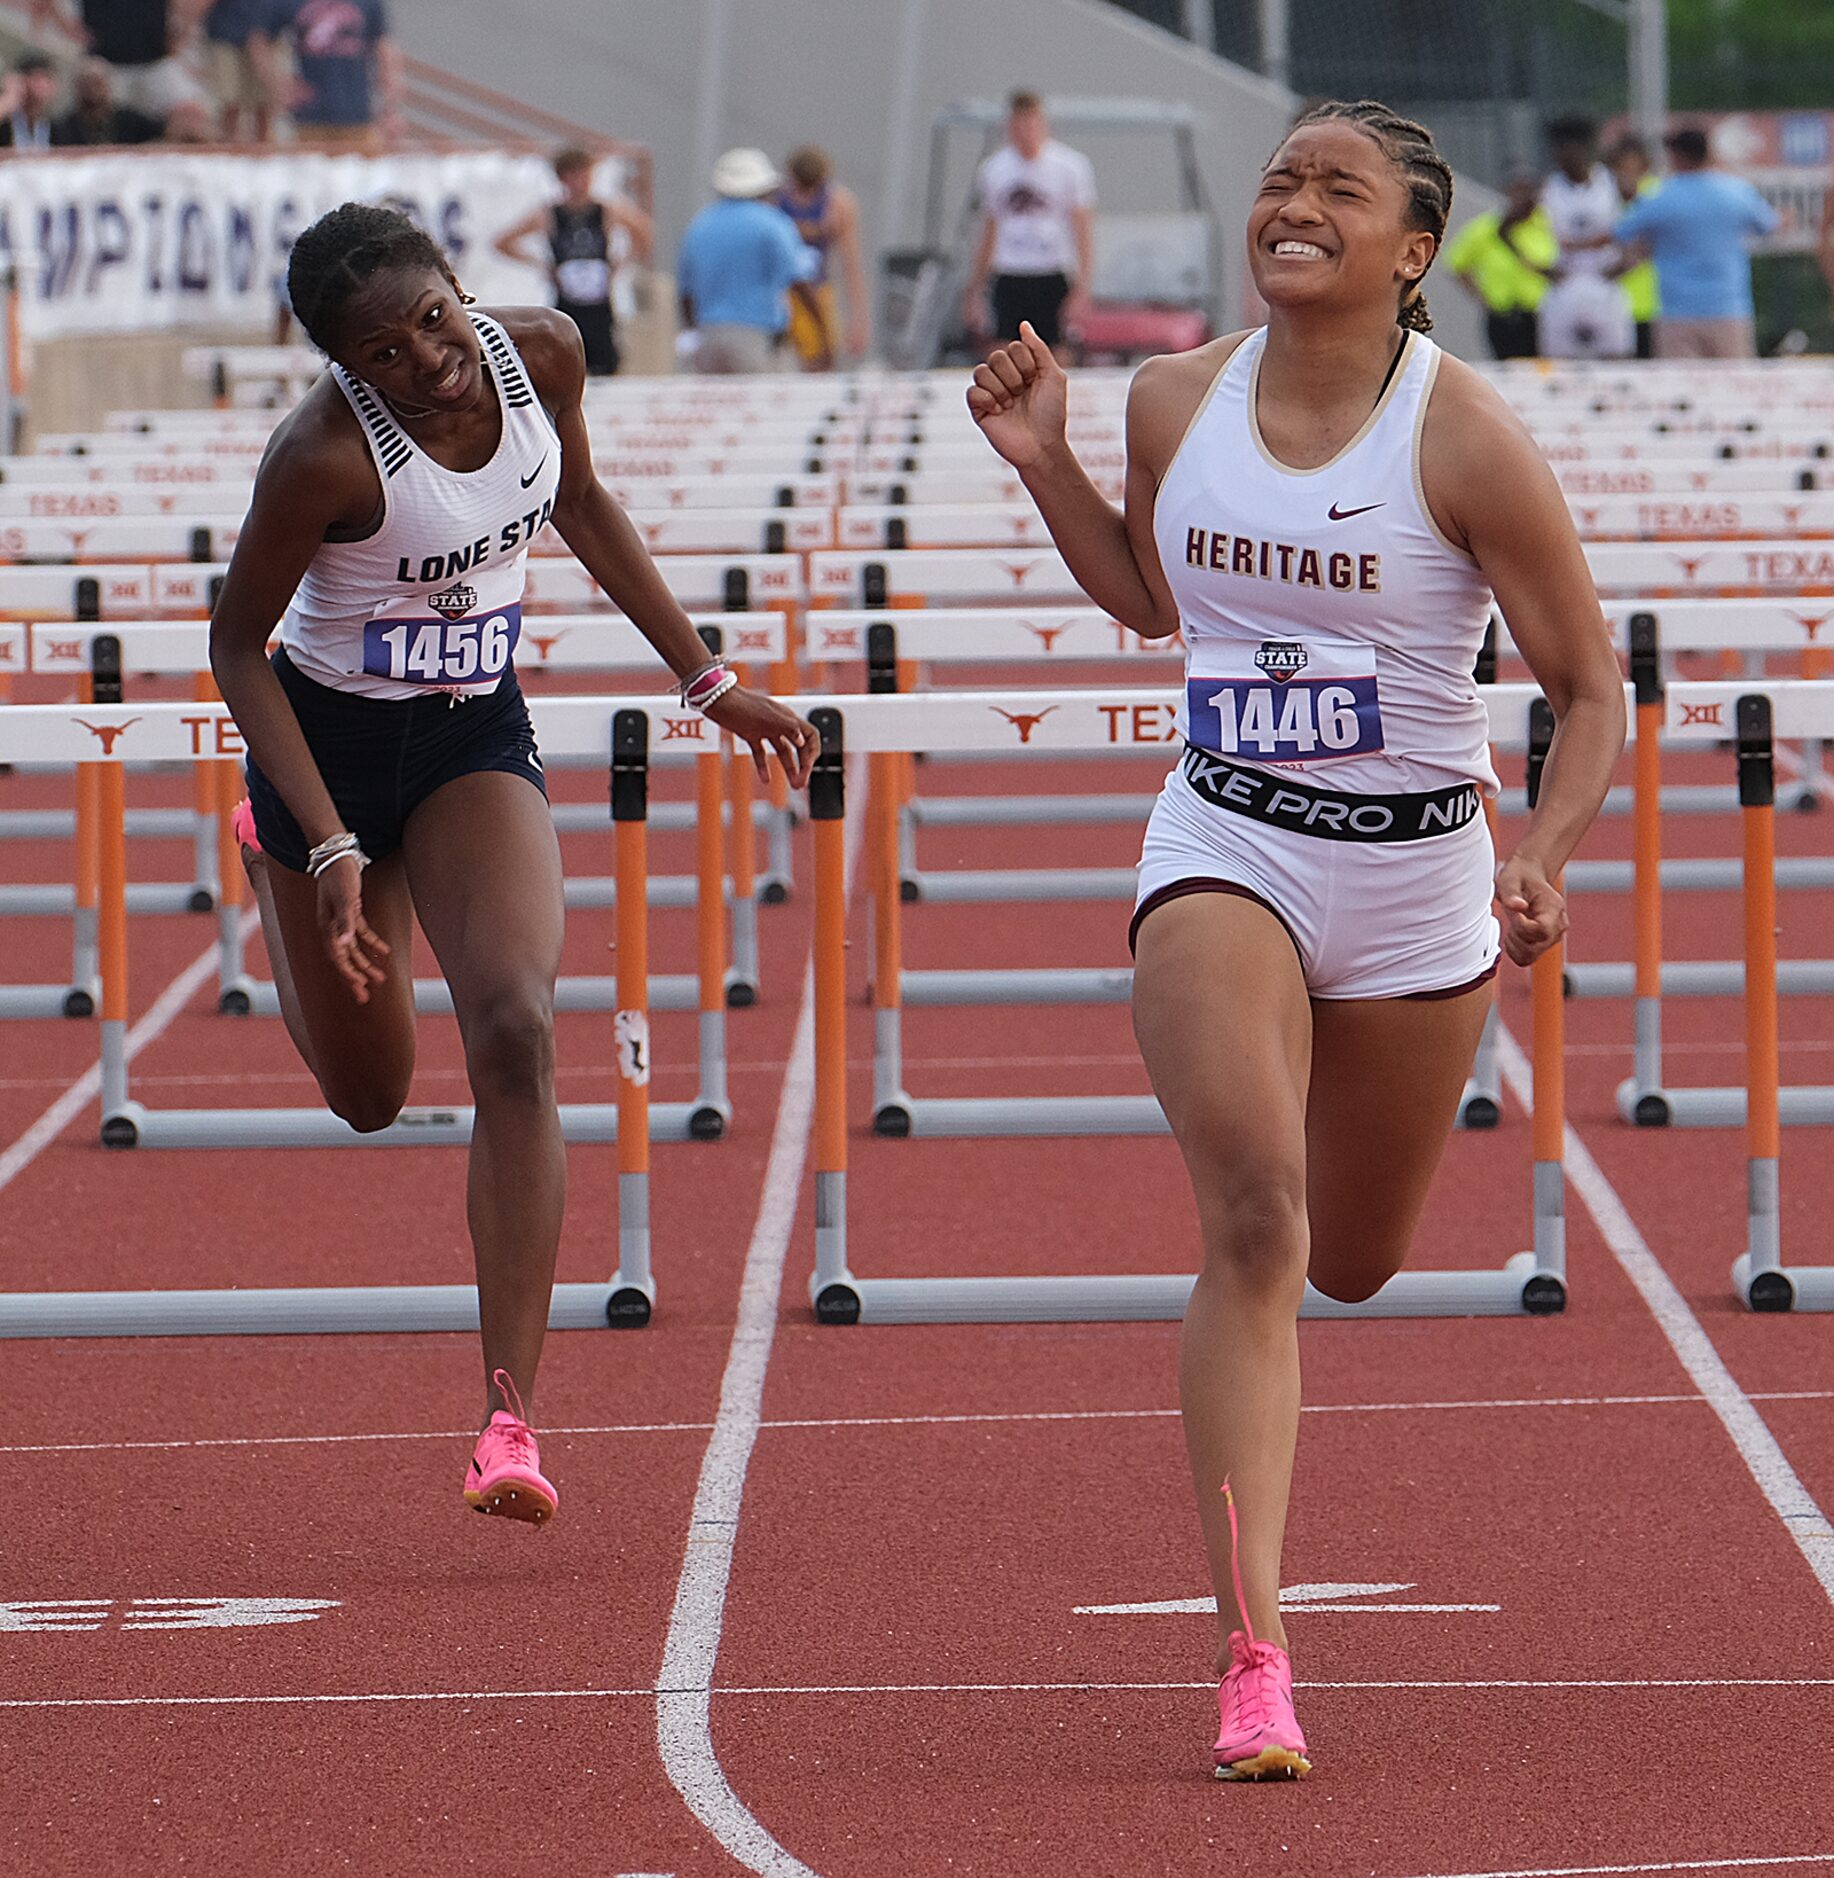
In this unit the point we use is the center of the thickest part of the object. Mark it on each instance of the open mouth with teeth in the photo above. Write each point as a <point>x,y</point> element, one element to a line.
<point>1291,250</point>
<point>449,385</point>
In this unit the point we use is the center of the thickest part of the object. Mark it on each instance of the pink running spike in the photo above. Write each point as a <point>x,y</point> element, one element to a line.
<point>242,825</point>
<point>1259,1735</point>
<point>505,1476</point>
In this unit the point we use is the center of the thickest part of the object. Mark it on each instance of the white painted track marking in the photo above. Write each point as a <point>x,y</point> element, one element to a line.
<point>649,1692</point>
<point>88,1086</point>
<point>684,1721</point>
<point>1773,1862</point>
<point>899,1421</point>
<point>1758,1448</point>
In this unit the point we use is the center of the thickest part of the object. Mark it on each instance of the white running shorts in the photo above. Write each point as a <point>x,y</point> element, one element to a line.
<point>1369,919</point>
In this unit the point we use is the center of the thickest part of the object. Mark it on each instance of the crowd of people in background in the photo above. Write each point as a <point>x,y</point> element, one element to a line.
<point>1606,260</point>
<point>323,73</point>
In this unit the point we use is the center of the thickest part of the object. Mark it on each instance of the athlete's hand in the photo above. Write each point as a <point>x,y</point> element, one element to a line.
<point>1019,398</point>
<point>769,727</point>
<point>1533,909</point>
<point>355,950</point>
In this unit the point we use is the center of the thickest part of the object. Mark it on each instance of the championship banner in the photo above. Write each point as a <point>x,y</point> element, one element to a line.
<point>152,240</point>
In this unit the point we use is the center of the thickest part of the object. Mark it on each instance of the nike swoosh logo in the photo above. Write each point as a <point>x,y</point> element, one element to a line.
<point>1336,514</point>
<point>539,467</point>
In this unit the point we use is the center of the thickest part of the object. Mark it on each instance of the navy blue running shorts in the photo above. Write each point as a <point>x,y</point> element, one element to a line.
<point>382,757</point>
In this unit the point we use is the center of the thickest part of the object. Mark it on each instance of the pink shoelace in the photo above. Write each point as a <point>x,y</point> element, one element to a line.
<point>1250,1690</point>
<point>519,1435</point>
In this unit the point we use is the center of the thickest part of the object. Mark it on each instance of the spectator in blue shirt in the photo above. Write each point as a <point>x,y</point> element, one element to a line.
<point>740,260</point>
<point>1698,228</point>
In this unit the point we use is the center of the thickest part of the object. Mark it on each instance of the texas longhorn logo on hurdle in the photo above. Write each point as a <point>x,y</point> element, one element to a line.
<point>1811,623</point>
<point>107,733</point>
<point>1024,722</point>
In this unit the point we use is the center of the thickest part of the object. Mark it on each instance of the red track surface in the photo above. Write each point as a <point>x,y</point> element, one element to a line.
<point>906,1680</point>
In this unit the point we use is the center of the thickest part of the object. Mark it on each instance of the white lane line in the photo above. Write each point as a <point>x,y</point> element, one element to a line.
<point>990,1417</point>
<point>1772,1861</point>
<point>1601,1686</point>
<point>684,1709</point>
<point>88,1086</point>
<point>1758,1448</point>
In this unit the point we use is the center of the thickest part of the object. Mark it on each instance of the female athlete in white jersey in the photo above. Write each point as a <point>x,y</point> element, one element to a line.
<point>391,522</point>
<point>1324,508</point>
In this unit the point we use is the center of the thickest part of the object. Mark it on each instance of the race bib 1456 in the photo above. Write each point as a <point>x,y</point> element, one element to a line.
<point>1305,704</point>
<point>471,650</point>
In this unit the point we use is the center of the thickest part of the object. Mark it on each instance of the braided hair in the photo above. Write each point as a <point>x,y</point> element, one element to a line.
<point>1424,173</point>
<point>340,252</point>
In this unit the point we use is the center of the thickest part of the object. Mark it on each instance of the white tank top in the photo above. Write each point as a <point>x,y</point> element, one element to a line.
<point>432,601</point>
<point>1329,627</point>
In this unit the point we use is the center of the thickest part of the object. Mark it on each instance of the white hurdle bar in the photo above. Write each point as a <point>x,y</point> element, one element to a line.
<point>1080,721</point>
<point>579,728</point>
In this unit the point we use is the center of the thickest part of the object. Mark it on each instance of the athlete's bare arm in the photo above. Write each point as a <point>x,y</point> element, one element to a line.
<point>509,244</point>
<point>1492,494</point>
<point>612,552</point>
<point>316,479</point>
<point>844,230</point>
<point>622,213</point>
<point>1019,399</point>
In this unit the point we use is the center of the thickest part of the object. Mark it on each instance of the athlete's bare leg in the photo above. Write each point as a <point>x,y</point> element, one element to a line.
<point>361,1054</point>
<point>484,868</point>
<point>1374,1137</point>
<point>1225,1026</point>
<point>1307,1152</point>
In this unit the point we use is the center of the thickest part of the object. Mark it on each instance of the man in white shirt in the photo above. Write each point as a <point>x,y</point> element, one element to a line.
<point>1037,244</point>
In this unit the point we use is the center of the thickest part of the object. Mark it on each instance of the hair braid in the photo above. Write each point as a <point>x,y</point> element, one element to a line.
<point>1424,173</point>
<point>341,251</point>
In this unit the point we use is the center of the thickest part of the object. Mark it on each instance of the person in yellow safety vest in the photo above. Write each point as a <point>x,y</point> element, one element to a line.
<point>1630,167</point>
<point>1503,258</point>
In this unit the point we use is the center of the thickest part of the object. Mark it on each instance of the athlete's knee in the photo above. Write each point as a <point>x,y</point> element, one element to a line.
<point>1354,1278</point>
<point>364,1106</point>
<point>509,1047</point>
<point>1254,1222</point>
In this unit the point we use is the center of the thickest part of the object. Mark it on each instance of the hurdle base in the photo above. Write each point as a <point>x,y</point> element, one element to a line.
<point>1643,1106</point>
<point>1783,1287</point>
<point>957,1118</point>
<point>630,1303</point>
<point>1806,1105</point>
<point>47,1001</point>
<point>307,1310</point>
<point>133,1126</point>
<point>1026,985</point>
<point>1128,1298</point>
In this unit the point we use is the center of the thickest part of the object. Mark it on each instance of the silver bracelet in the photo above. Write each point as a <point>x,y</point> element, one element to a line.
<point>335,848</point>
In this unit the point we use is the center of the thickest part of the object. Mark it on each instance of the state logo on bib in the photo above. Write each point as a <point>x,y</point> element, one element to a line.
<point>463,644</point>
<point>1311,701</point>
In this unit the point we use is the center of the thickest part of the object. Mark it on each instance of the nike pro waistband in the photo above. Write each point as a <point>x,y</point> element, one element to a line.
<point>1327,812</point>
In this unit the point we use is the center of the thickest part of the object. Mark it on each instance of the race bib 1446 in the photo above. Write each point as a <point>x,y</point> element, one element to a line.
<point>1291,710</point>
<point>472,650</point>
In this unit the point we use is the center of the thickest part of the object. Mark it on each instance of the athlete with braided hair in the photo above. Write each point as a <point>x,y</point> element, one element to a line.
<point>392,767</point>
<point>1325,508</point>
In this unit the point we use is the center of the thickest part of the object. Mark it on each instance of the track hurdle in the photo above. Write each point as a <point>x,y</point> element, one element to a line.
<point>577,727</point>
<point>1533,1281</point>
<point>625,1300</point>
<point>1759,1275</point>
<point>1700,714</point>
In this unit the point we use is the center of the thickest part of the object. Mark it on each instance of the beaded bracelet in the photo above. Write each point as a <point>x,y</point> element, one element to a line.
<point>711,682</point>
<point>339,847</point>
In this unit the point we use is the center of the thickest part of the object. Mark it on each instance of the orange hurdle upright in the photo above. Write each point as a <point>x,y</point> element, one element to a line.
<point>633,1288</point>
<point>831,1288</point>
<point>1545,1291</point>
<point>1642,1100</point>
<point>1759,1274</point>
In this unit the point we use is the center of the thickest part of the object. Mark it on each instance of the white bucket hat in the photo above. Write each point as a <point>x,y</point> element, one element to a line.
<point>744,173</point>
